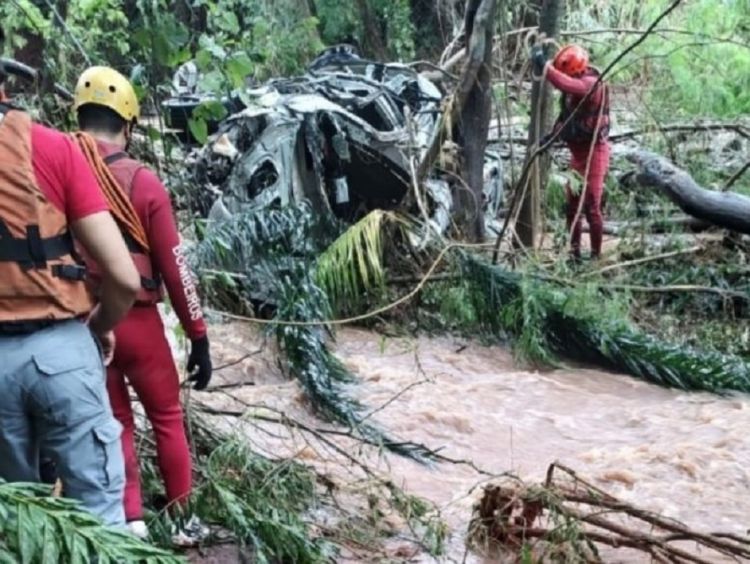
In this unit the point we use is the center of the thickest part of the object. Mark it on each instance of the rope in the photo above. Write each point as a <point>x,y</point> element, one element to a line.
<point>372,313</point>
<point>119,203</point>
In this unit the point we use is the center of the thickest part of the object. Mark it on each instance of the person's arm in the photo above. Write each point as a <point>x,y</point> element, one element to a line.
<point>100,236</point>
<point>151,200</point>
<point>578,87</point>
<point>86,209</point>
<point>149,194</point>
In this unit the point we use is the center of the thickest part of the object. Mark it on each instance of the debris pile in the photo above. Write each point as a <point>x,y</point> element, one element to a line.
<point>570,519</point>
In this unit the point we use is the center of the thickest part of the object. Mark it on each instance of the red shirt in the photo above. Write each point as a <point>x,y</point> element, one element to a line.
<point>63,174</point>
<point>578,88</point>
<point>151,201</point>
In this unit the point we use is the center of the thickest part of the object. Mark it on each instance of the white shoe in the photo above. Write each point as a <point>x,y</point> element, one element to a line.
<point>191,533</point>
<point>138,529</point>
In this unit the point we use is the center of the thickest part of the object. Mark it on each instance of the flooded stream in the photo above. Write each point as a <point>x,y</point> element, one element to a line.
<point>685,455</point>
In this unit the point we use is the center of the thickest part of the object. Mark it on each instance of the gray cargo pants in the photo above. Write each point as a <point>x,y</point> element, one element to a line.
<point>53,398</point>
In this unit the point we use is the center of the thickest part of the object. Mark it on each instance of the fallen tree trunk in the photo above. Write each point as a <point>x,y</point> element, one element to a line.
<point>658,226</point>
<point>740,128</point>
<point>724,209</point>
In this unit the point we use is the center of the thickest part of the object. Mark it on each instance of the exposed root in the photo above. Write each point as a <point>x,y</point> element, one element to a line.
<point>569,517</point>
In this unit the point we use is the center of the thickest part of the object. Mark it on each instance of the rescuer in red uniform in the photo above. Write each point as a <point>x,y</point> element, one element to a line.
<point>107,108</point>
<point>585,130</point>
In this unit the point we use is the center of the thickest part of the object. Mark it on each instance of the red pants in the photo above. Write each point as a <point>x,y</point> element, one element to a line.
<point>142,355</point>
<point>592,205</point>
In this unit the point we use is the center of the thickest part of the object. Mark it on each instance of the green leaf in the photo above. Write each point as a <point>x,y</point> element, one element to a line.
<point>28,540</point>
<point>198,129</point>
<point>212,81</point>
<point>211,110</point>
<point>209,44</point>
<point>153,133</point>
<point>239,66</point>
<point>203,59</point>
<point>50,550</point>
<point>229,22</point>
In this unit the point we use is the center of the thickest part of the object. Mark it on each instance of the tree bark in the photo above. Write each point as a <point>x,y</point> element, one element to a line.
<point>474,120</point>
<point>724,209</point>
<point>529,225</point>
<point>433,23</point>
<point>373,43</point>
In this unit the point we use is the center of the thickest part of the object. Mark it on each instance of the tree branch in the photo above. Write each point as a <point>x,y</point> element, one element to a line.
<point>724,209</point>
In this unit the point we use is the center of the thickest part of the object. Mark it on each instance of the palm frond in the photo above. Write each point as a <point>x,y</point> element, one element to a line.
<point>37,528</point>
<point>587,335</point>
<point>353,263</point>
<point>262,502</point>
<point>270,255</point>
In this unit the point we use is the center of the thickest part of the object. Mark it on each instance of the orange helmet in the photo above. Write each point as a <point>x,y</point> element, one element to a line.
<point>572,60</point>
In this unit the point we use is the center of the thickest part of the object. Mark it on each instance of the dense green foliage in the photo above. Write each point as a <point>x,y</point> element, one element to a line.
<point>260,501</point>
<point>695,67</point>
<point>547,320</point>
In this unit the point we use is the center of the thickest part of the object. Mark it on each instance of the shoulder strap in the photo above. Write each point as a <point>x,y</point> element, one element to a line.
<point>5,107</point>
<point>33,251</point>
<point>114,157</point>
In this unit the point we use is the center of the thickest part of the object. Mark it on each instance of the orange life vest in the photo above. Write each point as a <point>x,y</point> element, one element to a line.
<point>124,169</point>
<point>41,278</point>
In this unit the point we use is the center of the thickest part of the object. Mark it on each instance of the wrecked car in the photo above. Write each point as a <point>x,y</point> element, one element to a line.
<point>344,136</point>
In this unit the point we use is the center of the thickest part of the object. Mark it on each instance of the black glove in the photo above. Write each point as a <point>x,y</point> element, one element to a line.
<point>538,58</point>
<point>199,363</point>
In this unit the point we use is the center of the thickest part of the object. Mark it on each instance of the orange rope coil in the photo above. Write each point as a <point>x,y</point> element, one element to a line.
<point>119,203</point>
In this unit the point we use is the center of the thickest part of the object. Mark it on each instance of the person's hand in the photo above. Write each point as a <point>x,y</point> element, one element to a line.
<point>199,363</point>
<point>105,339</point>
<point>107,342</point>
<point>538,59</point>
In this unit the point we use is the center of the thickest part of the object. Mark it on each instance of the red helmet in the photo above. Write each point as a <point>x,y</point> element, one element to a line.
<point>572,60</point>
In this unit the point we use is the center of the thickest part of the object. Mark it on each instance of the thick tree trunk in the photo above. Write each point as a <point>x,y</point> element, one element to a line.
<point>193,17</point>
<point>373,43</point>
<point>433,22</point>
<point>529,225</point>
<point>724,209</point>
<point>474,121</point>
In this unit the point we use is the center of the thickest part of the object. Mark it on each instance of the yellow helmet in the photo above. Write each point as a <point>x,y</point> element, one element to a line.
<point>107,87</point>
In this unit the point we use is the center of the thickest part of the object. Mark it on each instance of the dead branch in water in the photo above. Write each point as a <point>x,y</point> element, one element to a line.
<point>569,515</point>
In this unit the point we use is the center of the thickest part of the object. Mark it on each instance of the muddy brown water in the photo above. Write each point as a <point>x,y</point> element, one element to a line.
<point>685,455</point>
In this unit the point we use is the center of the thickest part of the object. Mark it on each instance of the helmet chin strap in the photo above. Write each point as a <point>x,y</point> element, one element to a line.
<point>129,135</point>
